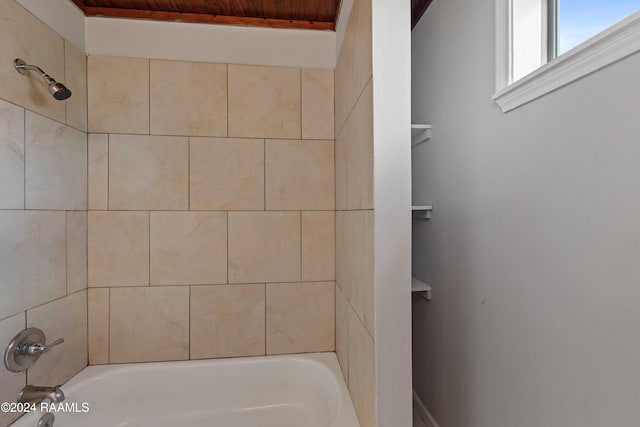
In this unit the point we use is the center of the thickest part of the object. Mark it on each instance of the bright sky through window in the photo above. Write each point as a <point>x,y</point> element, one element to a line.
<point>580,20</point>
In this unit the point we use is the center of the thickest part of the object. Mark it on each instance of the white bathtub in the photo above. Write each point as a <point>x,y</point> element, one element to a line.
<point>274,391</point>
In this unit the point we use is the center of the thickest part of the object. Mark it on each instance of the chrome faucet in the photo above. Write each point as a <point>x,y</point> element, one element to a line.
<point>35,395</point>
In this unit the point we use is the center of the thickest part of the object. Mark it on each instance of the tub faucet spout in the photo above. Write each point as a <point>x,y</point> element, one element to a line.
<point>35,394</point>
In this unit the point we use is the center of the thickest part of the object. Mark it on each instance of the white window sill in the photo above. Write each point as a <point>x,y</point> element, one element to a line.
<point>613,44</point>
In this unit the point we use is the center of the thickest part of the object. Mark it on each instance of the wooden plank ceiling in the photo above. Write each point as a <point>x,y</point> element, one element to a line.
<point>310,14</point>
<point>418,8</point>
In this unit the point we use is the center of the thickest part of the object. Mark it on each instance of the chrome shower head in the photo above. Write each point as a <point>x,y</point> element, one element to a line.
<point>56,89</point>
<point>59,91</point>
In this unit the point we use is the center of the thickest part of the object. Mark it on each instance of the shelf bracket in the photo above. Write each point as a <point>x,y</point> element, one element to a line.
<point>422,212</point>
<point>420,133</point>
<point>420,288</point>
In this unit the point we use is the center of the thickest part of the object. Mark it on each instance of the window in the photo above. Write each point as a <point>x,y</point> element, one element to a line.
<point>545,44</point>
<point>579,20</point>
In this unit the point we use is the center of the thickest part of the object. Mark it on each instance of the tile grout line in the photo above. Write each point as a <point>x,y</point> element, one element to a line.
<point>188,173</point>
<point>335,221</point>
<point>300,219</point>
<point>228,267</point>
<point>265,319</point>
<point>108,167</point>
<point>189,329</point>
<point>264,174</point>
<point>149,94</point>
<point>109,296</point>
<point>182,136</point>
<point>301,113</point>
<point>227,66</point>
<point>149,247</point>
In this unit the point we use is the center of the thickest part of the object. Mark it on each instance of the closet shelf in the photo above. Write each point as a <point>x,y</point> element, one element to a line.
<point>422,211</point>
<point>421,288</point>
<point>420,133</point>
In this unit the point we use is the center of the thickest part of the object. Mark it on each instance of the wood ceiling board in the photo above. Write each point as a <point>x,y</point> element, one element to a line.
<point>418,8</point>
<point>311,14</point>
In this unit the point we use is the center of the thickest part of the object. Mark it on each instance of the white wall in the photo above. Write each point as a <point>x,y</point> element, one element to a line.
<point>210,43</point>
<point>534,245</point>
<point>391,54</point>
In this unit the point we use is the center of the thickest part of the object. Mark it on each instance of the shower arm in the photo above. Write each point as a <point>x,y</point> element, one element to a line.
<point>23,68</point>
<point>58,90</point>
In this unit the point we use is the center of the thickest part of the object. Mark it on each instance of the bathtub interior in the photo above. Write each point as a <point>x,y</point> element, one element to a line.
<point>273,391</point>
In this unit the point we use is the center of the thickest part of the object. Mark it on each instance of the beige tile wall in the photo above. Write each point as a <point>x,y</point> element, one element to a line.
<point>355,334</point>
<point>211,222</point>
<point>43,201</point>
<point>11,382</point>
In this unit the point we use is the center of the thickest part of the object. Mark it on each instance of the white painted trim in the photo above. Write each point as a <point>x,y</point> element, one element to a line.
<point>615,43</point>
<point>341,24</point>
<point>391,64</point>
<point>503,48</point>
<point>63,17</point>
<point>422,410</point>
<point>210,43</point>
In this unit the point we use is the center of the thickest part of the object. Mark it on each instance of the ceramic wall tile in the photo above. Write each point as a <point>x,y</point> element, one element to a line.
<point>354,161</point>
<point>64,318</point>
<point>359,134</point>
<point>98,325</point>
<point>362,374</point>
<point>118,95</point>
<point>342,333</point>
<point>11,382</point>
<point>355,255</point>
<point>368,270</point>
<point>318,246</point>
<point>188,248</point>
<point>344,252</point>
<point>299,175</point>
<point>149,324</point>
<point>75,66</point>
<point>56,165</point>
<point>341,166</point>
<point>118,248</point>
<point>98,171</point>
<point>317,104</point>
<point>32,259</point>
<point>11,156</point>
<point>300,317</point>
<point>227,321</point>
<point>76,251</point>
<point>264,102</point>
<point>354,66</point>
<point>264,247</point>
<point>148,172</point>
<point>188,98</point>
<point>226,174</point>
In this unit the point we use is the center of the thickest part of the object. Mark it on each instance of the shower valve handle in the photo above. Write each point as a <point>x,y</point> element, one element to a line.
<point>26,348</point>
<point>37,348</point>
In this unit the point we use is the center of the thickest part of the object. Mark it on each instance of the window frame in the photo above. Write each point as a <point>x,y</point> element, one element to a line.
<point>552,29</point>
<point>611,45</point>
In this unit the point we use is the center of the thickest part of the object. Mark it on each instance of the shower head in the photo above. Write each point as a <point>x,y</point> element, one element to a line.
<point>56,89</point>
<point>59,91</point>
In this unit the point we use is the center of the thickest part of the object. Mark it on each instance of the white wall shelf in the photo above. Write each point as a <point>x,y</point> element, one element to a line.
<point>421,288</point>
<point>422,211</point>
<point>420,133</point>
